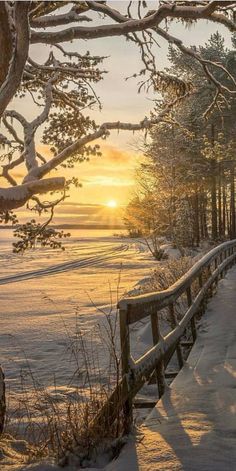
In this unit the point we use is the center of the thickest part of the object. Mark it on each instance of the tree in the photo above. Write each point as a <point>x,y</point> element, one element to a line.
<point>145,213</point>
<point>191,157</point>
<point>64,85</point>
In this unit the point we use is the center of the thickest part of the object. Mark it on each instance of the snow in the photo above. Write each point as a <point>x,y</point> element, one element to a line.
<point>193,427</point>
<point>47,290</point>
<point>46,295</point>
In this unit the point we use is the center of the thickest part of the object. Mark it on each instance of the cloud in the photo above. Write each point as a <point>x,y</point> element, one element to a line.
<point>115,155</point>
<point>106,180</point>
<point>85,205</point>
<point>84,210</point>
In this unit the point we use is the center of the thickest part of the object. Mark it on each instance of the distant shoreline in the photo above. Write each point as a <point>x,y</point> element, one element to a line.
<point>80,226</point>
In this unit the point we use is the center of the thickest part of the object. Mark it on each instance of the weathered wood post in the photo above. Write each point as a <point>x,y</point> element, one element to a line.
<point>160,370</point>
<point>216,266</point>
<point>2,401</point>
<point>125,356</point>
<point>174,323</point>
<point>221,260</point>
<point>193,326</point>
<point>203,304</point>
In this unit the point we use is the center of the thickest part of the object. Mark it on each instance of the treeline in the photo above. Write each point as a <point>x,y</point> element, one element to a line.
<point>186,181</point>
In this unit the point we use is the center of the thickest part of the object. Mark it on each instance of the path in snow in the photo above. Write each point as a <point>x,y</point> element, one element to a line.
<point>193,427</point>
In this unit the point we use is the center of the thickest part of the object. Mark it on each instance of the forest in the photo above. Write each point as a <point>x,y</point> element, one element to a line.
<point>186,181</point>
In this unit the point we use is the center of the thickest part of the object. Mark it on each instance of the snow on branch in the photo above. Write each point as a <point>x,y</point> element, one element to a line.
<point>30,128</point>
<point>59,20</point>
<point>122,27</point>
<point>85,73</point>
<point>17,196</point>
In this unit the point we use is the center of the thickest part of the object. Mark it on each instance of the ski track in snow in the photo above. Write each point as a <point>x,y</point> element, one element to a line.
<point>98,259</point>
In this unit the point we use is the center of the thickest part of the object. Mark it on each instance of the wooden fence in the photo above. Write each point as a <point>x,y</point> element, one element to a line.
<point>195,286</point>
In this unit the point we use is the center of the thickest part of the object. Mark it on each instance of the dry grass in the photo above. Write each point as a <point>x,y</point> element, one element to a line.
<point>60,430</point>
<point>169,272</point>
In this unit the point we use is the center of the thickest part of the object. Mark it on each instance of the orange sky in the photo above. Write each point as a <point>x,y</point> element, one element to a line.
<point>112,175</point>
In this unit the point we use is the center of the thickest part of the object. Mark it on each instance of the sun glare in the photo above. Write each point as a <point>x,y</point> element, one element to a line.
<point>112,204</point>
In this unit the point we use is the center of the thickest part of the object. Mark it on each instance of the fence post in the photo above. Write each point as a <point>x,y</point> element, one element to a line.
<point>209,273</point>
<point>193,326</point>
<point>174,323</point>
<point>202,306</point>
<point>125,356</point>
<point>2,401</point>
<point>159,370</point>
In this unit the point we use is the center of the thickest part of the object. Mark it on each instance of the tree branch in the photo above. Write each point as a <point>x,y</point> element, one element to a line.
<point>30,154</point>
<point>102,131</point>
<point>204,62</point>
<point>17,196</point>
<point>133,25</point>
<point>57,20</point>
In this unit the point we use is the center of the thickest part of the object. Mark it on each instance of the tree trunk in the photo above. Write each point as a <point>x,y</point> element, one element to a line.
<point>219,203</point>
<point>196,222</point>
<point>2,401</point>
<point>213,190</point>
<point>5,41</point>
<point>232,203</point>
<point>224,207</point>
<point>213,205</point>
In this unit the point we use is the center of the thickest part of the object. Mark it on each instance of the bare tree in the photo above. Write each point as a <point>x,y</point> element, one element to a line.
<point>64,85</point>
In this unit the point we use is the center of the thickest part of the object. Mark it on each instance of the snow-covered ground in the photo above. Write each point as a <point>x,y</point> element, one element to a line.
<point>47,296</point>
<point>61,291</point>
<point>193,427</point>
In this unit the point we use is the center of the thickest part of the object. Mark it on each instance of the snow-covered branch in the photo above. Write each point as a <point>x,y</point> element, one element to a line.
<point>11,165</point>
<point>12,130</point>
<point>102,131</point>
<point>152,20</point>
<point>30,128</point>
<point>77,72</point>
<point>59,20</point>
<point>204,62</point>
<point>17,196</point>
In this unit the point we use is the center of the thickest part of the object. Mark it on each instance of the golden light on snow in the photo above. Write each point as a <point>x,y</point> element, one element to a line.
<point>112,204</point>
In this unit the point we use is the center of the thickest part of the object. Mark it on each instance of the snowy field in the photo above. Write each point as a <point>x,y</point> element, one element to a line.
<point>46,295</point>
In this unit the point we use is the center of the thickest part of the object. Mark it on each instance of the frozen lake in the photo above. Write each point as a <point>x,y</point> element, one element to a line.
<point>61,292</point>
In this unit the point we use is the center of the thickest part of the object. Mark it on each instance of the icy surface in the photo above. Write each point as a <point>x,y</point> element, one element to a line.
<point>194,426</point>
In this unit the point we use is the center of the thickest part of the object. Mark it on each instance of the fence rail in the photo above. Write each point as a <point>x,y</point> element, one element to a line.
<point>196,286</point>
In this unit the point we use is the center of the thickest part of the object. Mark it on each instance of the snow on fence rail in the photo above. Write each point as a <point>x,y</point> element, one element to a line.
<point>196,285</point>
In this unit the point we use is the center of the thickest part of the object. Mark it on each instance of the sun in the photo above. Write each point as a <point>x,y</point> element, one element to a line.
<point>112,204</point>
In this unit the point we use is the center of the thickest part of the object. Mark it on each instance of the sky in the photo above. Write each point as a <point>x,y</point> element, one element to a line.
<point>111,177</point>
